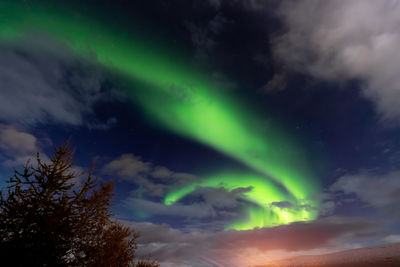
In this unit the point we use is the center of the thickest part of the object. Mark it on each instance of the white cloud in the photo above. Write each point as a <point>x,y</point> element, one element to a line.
<point>15,141</point>
<point>392,239</point>
<point>17,146</point>
<point>346,40</point>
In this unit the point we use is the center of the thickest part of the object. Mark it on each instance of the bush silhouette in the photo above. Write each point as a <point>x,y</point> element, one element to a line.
<point>51,215</point>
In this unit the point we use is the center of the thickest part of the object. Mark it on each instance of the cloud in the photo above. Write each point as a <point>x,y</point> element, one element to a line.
<point>154,180</point>
<point>131,168</point>
<point>253,5</point>
<point>392,239</point>
<point>220,197</point>
<point>276,84</point>
<point>216,207</point>
<point>196,210</point>
<point>346,40</point>
<point>215,3</point>
<point>282,204</point>
<point>42,81</point>
<point>96,125</point>
<point>379,191</point>
<point>15,141</point>
<point>172,247</point>
<point>161,172</point>
<point>327,208</point>
<point>300,235</point>
<point>164,173</point>
<point>204,35</point>
<point>17,146</point>
<point>127,166</point>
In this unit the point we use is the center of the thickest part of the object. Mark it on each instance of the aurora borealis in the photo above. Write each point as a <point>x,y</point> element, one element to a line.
<point>178,97</point>
<point>263,193</point>
<point>235,132</point>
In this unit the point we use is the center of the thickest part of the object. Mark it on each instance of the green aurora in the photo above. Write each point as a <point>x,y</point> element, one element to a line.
<point>180,99</point>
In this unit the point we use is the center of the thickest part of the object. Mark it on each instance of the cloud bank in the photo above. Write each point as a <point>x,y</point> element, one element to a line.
<point>172,247</point>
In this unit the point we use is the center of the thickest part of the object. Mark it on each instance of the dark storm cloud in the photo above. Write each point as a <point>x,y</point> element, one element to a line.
<point>198,248</point>
<point>42,81</point>
<point>345,40</point>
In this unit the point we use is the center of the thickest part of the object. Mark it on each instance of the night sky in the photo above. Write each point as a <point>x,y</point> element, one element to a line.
<point>236,132</point>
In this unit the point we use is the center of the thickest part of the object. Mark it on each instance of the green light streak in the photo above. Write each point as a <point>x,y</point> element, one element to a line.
<point>180,99</point>
<point>263,193</point>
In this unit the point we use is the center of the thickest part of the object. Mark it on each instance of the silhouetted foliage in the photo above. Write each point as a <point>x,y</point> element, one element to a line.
<point>51,217</point>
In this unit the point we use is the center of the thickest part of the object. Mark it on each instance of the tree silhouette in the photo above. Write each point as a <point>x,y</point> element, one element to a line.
<point>52,215</point>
